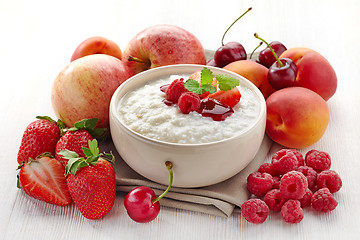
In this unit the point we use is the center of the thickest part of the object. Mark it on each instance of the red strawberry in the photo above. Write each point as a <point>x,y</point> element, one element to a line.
<point>92,183</point>
<point>76,138</point>
<point>39,137</point>
<point>230,97</point>
<point>44,179</point>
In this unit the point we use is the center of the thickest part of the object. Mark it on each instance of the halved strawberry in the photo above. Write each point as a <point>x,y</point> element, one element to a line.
<point>230,97</point>
<point>44,179</point>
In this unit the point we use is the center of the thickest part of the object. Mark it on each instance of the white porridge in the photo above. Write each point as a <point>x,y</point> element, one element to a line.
<point>144,111</point>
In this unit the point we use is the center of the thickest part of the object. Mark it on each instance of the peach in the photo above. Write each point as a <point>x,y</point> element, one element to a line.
<point>254,72</point>
<point>97,45</point>
<point>314,71</point>
<point>296,117</point>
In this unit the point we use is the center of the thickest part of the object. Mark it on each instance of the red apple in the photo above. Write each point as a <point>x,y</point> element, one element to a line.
<point>84,88</point>
<point>97,45</point>
<point>296,117</point>
<point>313,71</point>
<point>162,45</point>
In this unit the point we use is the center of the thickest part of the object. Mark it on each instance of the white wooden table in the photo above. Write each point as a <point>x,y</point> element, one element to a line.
<point>37,39</point>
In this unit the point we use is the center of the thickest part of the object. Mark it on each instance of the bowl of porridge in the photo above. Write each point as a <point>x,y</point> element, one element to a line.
<point>147,131</point>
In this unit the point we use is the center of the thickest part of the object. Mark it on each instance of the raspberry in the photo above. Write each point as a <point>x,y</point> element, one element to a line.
<point>329,179</point>
<point>274,200</point>
<point>299,157</point>
<point>255,210</point>
<point>323,201</point>
<point>266,168</point>
<point>284,161</point>
<point>276,184</point>
<point>259,183</point>
<point>189,101</point>
<point>318,160</point>
<point>305,201</point>
<point>292,212</point>
<point>293,185</point>
<point>175,89</point>
<point>310,174</point>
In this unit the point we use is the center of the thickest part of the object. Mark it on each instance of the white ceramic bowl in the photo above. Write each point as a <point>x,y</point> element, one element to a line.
<point>194,165</point>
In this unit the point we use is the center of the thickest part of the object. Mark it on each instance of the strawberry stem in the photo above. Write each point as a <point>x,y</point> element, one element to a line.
<point>222,40</point>
<point>272,50</point>
<point>169,166</point>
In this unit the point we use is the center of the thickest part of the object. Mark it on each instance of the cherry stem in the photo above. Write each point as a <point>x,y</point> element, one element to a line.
<point>135,59</point>
<point>255,49</point>
<point>272,50</point>
<point>222,40</point>
<point>169,166</point>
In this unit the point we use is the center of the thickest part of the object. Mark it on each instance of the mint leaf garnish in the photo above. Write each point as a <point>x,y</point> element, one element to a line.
<point>209,88</point>
<point>226,82</point>
<point>206,76</point>
<point>193,86</point>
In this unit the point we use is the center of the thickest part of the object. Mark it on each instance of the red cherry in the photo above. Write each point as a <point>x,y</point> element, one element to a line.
<point>283,72</point>
<point>230,52</point>
<point>211,62</point>
<point>267,58</point>
<point>141,203</point>
<point>282,77</point>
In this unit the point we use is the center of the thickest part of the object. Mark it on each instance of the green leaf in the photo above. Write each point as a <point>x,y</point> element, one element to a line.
<point>46,118</point>
<point>209,88</point>
<point>77,165</point>
<point>70,165</point>
<point>93,146</point>
<point>87,152</point>
<point>206,77</point>
<point>193,86</point>
<point>68,154</point>
<point>93,159</point>
<point>226,82</point>
<point>108,157</point>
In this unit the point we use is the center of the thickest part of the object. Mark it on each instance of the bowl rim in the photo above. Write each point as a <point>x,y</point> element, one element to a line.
<point>115,100</point>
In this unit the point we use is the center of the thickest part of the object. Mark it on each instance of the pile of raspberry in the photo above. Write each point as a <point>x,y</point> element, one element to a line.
<point>290,183</point>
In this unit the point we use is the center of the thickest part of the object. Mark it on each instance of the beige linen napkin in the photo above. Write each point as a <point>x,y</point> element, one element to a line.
<point>218,199</point>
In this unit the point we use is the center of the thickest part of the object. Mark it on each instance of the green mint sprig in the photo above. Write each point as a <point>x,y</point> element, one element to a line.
<point>225,82</point>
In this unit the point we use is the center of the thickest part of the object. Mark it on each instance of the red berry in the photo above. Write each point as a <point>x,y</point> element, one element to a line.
<point>276,180</point>
<point>229,98</point>
<point>293,185</point>
<point>318,160</point>
<point>175,89</point>
<point>292,212</point>
<point>323,201</point>
<point>255,210</point>
<point>39,137</point>
<point>44,179</point>
<point>306,199</point>
<point>310,174</point>
<point>189,101</point>
<point>329,179</point>
<point>284,161</point>
<point>299,157</point>
<point>259,183</point>
<point>266,168</point>
<point>72,141</point>
<point>267,58</point>
<point>274,200</point>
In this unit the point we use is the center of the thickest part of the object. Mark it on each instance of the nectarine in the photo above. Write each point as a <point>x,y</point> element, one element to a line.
<point>97,45</point>
<point>296,117</point>
<point>254,72</point>
<point>313,71</point>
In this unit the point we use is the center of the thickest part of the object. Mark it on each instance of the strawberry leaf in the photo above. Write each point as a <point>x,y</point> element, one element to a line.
<point>206,76</point>
<point>193,86</point>
<point>226,82</point>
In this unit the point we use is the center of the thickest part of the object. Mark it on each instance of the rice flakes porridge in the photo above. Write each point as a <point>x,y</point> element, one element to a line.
<point>144,111</point>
